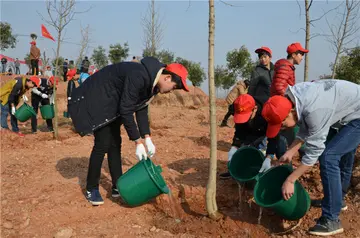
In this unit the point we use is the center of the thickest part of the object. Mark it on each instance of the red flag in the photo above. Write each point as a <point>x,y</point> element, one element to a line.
<point>45,33</point>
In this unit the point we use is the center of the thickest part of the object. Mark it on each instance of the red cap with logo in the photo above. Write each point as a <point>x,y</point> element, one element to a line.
<point>35,80</point>
<point>70,74</point>
<point>294,47</point>
<point>263,48</point>
<point>243,106</point>
<point>180,71</point>
<point>275,111</point>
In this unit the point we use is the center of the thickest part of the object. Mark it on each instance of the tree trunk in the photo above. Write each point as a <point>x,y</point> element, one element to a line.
<point>56,131</point>
<point>153,33</point>
<point>211,205</point>
<point>307,40</point>
<point>340,43</point>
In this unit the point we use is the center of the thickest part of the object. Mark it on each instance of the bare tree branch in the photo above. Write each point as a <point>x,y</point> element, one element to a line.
<point>325,13</point>
<point>344,32</point>
<point>187,9</point>
<point>297,1</point>
<point>153,30</point>
<point>229,4</point>
<point>309,5</point>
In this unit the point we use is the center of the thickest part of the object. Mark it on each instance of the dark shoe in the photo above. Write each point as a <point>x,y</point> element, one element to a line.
<point>317,203</point>
<point>326,227</point>
<point>115,193</point>
<point>94,197</point>
<point>226,175</point>
<point>51,129</point>
<point>223,124</point>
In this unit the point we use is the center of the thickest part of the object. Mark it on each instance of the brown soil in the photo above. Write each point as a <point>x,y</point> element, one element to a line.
<point>42,183</point>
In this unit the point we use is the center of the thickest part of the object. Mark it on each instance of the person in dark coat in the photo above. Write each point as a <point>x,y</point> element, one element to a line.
<point>108,99</point>
<point>261,76</point>
<point>42,95</point>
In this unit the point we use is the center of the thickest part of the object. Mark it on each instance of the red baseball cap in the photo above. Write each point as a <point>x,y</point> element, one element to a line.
<point>275,110</point>
<point>181,71</point>
<point>33,42</point>
<point>295,47</point>
<point>35,80</point>
<point>70,74</point>
<point>263,48</point>
<point>52,80</point>
<point>243,105</point>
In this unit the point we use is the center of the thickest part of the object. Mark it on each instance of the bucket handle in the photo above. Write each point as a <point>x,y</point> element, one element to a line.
<point>155,168</point>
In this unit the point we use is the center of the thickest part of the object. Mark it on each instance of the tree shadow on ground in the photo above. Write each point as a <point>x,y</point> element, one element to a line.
<point>77,167</point>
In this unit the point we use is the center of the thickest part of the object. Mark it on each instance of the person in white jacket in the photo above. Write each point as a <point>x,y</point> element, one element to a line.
<point>316,107</point>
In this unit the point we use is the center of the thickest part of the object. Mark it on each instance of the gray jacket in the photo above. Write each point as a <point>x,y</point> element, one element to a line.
<point>319,105</point>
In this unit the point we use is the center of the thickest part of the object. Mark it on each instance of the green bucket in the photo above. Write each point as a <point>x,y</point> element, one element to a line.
<point>47,111</point>
<point>141,183</point>
<point>268,193</point>
<point>245,164</point>
<point>66,114</point>
<point>25,112</point>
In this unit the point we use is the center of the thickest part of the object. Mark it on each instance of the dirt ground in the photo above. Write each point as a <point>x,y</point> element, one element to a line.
<point>43,180</point>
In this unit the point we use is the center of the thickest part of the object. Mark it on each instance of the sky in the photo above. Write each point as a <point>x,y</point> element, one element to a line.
<point>275,24</point>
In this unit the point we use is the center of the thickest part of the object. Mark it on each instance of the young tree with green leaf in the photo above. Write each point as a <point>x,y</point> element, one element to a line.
<point>118,53</point>
<point>7,39</point>
<point>239,62</point>
<point>99,57</point>
<point>348,67</point>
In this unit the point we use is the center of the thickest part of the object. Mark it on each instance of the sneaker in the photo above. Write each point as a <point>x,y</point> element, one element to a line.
<point>326,227</point>
<point>51,129</point>
<point>226,175</point>
<point>317,203</point>
<point>115,193</point>
<point>94,197</point>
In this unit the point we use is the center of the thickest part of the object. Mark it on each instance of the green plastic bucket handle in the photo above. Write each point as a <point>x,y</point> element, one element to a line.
<point>156,170</point>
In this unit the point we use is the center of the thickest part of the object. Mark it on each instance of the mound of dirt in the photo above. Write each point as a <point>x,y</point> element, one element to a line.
<point>195,97</point>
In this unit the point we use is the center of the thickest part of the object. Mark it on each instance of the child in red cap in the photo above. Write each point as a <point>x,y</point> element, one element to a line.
<point>316,107</point>
<point>109,99</point>
<point>250,128</point>
<point>285,70</point>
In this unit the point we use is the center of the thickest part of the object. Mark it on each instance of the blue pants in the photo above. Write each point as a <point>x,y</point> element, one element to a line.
<point>336,164</point>
<point>5,110</point>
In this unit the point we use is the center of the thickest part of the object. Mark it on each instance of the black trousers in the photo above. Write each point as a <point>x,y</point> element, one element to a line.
<point>107,141</point>
<point>35,100</point>
<point>65,78</point>
<point>231,111</point>
<point>34,66</point>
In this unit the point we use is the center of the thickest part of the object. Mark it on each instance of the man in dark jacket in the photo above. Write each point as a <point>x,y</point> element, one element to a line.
<point>41,95</point>
<point>85,64</point>
<point>108,99</point>
<point>250,130</point>
<point>262,75</point>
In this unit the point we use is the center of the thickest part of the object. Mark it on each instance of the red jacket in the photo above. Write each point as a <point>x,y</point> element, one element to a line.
<point>284,75</point>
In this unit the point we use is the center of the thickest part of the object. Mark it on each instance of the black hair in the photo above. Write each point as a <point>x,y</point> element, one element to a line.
<point>247,82</point>
<point>134,57</point>
<point>174,78</point>
<point>297,52</point>
<point>263,52</point>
